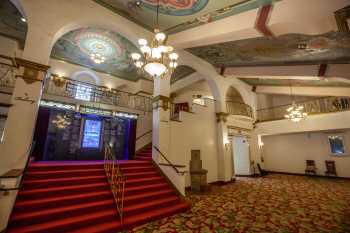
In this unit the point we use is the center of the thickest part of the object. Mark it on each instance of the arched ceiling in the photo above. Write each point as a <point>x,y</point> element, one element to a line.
<point>77,46</point>
<point>11,24</point>
<point>179,15</point>
<point>291,49</point>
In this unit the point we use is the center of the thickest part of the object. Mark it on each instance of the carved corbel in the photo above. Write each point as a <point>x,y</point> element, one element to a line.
<point>30,71</point>
<point>221,116</point>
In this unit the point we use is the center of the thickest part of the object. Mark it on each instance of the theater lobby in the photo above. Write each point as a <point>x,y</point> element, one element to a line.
<point>175,116</point>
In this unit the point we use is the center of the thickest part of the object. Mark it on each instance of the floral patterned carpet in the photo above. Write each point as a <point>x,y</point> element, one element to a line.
<point>276,203</point>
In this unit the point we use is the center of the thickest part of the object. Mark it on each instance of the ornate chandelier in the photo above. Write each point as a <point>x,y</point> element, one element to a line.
<point>61,122</point>
<point>295,112</point>
<point>97,58</point>
<point>158,59</point>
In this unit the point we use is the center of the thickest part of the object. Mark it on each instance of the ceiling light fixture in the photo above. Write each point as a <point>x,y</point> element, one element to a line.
<point>97,58</point>
<point>23,19</point>
<point>158,59</point>
<point>295,112</point>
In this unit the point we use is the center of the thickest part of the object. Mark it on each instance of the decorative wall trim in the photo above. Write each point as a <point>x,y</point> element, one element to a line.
<point>302,174</point>
<point>31,70</point>
<point>161,101</point>
<point>221,116</point>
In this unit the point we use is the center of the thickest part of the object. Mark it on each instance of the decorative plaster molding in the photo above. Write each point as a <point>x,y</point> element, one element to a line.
<point>31,71</point>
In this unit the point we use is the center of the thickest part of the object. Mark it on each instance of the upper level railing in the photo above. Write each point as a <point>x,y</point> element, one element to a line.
<point>70,88</point>
<point>312,107</point>
<point>236,108</point>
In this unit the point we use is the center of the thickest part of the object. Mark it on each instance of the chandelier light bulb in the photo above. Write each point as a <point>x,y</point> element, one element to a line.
<point>155,69</point>
<point>135,56</point>
<point>156,53</point>
<point>143,42</point>
<point>145,49</point>
<point>160,36</point>
<point>139,64</point>
<point>173,56</point>
<point>173,64</point>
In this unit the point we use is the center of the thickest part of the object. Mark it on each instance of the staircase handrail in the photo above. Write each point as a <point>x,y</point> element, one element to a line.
<point>168,161</point>
<point>21,172</point>
<point>144,134</point>
<point>116,179</point>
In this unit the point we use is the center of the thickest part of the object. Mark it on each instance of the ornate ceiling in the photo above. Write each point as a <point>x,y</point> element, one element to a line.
<point>181,72</point>
<point>179,15</point>
<point>11,25</point>
<point>77,46</point>
<point>293,82</point>
<point>291,49</point>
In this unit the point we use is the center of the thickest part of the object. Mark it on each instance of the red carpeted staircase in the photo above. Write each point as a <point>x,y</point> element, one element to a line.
<point>75,197</point>
<point>144,154</point>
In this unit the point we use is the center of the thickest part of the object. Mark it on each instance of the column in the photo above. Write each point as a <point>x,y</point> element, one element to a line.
<point>21,119</point>
<point>161,117</point>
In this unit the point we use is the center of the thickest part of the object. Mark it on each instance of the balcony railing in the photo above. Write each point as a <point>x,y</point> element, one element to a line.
<point>241,109</point>
<point>74,89</point>
<point>312,107</point>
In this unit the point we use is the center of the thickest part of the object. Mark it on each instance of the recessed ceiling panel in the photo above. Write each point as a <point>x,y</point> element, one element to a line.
<point>179,15</point>
<point>77,46</point>
<point>290,49</point>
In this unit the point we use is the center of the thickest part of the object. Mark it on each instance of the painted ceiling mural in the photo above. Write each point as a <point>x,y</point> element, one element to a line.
<point>179,15</point>
<point>294,82</point>
<point>290,49</point>
<point>11,25</point>
<point>77,46</point>
<point>181,72</point>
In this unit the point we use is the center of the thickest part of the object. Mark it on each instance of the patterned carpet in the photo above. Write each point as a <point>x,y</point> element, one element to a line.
<point>276,203</point>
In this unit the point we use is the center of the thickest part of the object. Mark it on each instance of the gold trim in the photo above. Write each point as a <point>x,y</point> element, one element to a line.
<point>221,116</point>
<point>31,65</point>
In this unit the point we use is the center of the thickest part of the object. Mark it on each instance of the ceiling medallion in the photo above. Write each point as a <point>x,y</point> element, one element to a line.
<point>158,59</point>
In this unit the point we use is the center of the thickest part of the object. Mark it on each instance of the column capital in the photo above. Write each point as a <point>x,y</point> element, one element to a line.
<point>31,70</point>
<point>161,101</point>
<point>221,117</point>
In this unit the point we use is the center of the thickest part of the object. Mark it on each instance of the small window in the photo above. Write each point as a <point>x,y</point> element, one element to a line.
<point>337,146</point>
<point>92,134</point>
<point>83,92</point>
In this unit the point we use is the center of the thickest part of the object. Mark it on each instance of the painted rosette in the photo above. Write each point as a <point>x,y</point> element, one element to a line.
<point>176,7</point>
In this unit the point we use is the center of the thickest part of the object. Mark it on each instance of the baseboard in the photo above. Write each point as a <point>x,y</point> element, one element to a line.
<point>302,174</point>
<point>252,175</point>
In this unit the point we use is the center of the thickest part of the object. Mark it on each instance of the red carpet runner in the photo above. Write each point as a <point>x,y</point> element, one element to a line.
<point>75,197</point>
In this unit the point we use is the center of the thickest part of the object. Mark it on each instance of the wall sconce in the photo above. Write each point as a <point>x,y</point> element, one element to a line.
<point>227,144</point>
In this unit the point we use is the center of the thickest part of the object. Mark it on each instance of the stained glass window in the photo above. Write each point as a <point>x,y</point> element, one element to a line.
<point>92,134</point>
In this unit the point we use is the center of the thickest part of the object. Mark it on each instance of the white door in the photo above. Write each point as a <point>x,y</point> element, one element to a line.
<point>241,160</point>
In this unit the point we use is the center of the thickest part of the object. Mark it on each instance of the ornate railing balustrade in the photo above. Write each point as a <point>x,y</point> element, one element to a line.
<point>116,179</point>
<point>236,108</point>
<point>7,72</point>
<point>92,93</point>
<point>312,107</point>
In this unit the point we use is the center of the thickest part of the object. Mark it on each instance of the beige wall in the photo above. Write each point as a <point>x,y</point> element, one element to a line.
<point>287,153</point>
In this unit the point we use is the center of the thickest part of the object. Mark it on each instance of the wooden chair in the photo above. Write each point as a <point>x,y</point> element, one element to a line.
<point>330,168</point>
<point>310,167</point>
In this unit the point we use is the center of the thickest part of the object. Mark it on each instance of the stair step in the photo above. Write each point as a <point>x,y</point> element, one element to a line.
<point>54,182</point>
<point>137,175</point>
<point>137,169</point>
<point>141,189</point>
<point>62,190</point>
<point>143,181</point>
<point>51,202</point>
<point>135,220</point>
<point>63,173</point>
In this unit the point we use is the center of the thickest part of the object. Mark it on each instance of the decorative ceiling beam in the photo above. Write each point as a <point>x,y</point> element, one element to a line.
<point>263,19</point>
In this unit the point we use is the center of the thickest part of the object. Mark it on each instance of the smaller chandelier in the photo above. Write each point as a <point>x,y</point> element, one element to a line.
<point>61,122</point>
<point>158,59</point>
<point>97,58</point>
<point>295,113</point>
